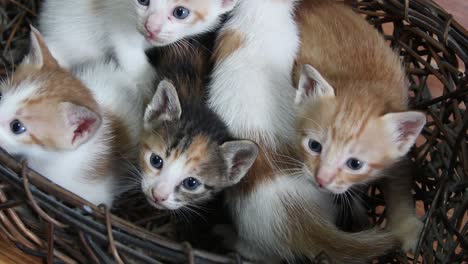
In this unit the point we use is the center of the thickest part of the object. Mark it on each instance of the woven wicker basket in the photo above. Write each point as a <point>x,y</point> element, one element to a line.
<point>433,46</point>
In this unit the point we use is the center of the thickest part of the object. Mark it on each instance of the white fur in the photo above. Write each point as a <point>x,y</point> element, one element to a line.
<point>115,94</point>
<point>251,89</point>
<point>78,31</point>
<point>261,216</point>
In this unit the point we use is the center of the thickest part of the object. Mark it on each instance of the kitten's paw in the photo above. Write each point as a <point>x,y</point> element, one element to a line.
<point>408,232</point>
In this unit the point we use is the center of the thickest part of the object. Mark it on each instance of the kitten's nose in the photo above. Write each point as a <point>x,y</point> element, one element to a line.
<point>323,179</point>
<point>153,25</point>
<point>158,196</point>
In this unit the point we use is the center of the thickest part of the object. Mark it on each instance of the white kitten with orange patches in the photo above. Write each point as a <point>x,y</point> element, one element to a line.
<point>353,123</point>
<point>254,57</point>
<point>65,131</point>
<point>88,30</point>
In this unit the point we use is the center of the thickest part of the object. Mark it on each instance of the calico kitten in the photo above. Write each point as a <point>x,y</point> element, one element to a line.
<point>65,131</point>
<point>87,30</point>
<point>353,123</point>
<point>187,153</point>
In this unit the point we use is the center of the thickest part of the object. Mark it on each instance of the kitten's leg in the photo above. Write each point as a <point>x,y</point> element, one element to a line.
<point>400,207</point>
<point>130,53</point>
<point>233,243</point>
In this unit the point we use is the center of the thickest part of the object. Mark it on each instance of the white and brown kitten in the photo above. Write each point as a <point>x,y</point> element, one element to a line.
<point>254,56</point>
<point>76,138</point>
<point>187,154</point>
<point>88,30</point>
<point>354,123</point>
<point>276,215</point>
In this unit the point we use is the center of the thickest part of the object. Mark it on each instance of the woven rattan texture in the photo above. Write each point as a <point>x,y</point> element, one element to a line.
<point>433,47</point>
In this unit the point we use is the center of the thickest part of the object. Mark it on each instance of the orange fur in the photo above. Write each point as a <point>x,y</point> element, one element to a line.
<point>368,80</point>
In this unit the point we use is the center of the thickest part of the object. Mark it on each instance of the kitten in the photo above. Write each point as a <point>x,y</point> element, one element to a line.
<point>87,30</point>
<point>56,122</point>
<point>353,123</point>
<point>276,215</point>
<point>254,56</point>
<point>187,153</point>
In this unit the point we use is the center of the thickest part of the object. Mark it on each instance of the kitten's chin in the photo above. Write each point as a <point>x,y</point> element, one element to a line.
<point>163,205</point>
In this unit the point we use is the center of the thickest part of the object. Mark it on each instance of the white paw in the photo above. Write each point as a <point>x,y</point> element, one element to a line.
<point>408,232</point>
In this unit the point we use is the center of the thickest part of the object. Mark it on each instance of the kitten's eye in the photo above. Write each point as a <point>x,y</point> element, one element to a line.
<point>354,164</point>
<point>181,12</point>
<point>191,184</point>
<point>17,127</point>
<point>156,161</point>
<point>144,2</point>
<point>315,146</point>
<point>0,96</point>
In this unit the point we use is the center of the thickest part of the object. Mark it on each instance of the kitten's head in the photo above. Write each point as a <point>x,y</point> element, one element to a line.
<point>165,22</point>
<point>345,143</point>
<point>43,108</point>
<point>187,156</point>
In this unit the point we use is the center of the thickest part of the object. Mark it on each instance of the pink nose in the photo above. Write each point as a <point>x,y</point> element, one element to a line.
<point>158,196</point>
<point>323,182</point>
<point>152,29</point>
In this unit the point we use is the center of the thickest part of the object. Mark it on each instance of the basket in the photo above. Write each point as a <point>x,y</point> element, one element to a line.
<point>434,48</point>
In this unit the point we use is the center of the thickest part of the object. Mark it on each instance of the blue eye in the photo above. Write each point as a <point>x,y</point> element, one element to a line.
<point>315,146</point>
<point>144,2</point>
<point>354,164</point>
<point>156,161</point>
<point>17,127</point>
<point>191,184</point>
<point>181,12</point>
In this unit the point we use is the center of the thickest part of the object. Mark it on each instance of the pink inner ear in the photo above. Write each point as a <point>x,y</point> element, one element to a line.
<point>83,128</point>
<point>407,129</point>
<point>309,87</point>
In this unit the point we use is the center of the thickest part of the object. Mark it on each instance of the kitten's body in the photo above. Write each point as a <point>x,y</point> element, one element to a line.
<point>189,137</point>
<point>278,214</point>
<point>88,153</point>
<point>353,122</point>
<point>88,30</point>
<point>254,56</point>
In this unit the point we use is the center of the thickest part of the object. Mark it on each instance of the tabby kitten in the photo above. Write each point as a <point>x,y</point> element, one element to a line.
<point>353,120</point>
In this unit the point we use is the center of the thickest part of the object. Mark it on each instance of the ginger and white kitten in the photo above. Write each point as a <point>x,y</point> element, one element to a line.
<point>54,121</point>
<point>353,123</point>
<point>187,154</point>
<point>88,30</point>
<point>254,56</point>
<point>276,215</point>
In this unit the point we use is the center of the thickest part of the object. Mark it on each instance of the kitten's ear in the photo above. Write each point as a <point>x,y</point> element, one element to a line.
<point>228,5</point>
<point>39,54</point>
<point>80,124</point>
<point>404,128</point>
<point>312,84</point>
<point>165,105</point>
<point>239,156</point>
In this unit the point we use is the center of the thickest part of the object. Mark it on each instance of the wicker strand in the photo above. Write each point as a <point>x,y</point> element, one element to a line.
<point>36,207</point>
<point>110,236</point>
